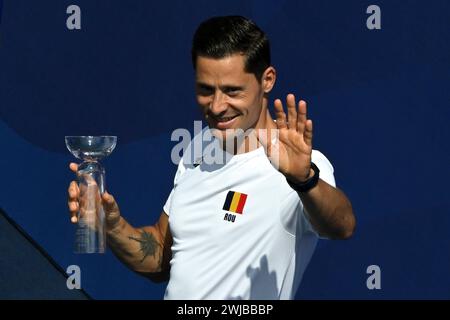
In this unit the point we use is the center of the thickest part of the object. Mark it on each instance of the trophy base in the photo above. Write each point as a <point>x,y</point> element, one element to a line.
<point>88,241</point>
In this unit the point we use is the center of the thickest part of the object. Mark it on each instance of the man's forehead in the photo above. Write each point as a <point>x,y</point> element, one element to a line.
<point>230,67</point>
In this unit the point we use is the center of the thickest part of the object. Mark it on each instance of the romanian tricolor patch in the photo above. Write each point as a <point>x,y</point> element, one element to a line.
<point>235,202</point>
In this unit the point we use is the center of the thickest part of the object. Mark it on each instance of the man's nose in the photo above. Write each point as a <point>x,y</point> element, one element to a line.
<point>218,104</point>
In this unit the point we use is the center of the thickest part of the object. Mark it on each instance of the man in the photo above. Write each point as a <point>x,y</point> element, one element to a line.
<point>245,228</point>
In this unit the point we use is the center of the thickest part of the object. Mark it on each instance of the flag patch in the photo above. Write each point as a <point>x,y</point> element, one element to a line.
<point>235,202</point>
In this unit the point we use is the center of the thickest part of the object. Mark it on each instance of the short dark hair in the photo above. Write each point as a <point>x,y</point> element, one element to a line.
<point>220,37</point>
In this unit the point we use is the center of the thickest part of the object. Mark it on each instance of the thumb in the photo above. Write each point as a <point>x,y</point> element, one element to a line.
<point>73,167</point>
<point>110,205</point>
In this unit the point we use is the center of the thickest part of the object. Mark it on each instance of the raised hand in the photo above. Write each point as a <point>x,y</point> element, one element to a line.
<point>86,201</point>
<point>291,152</point>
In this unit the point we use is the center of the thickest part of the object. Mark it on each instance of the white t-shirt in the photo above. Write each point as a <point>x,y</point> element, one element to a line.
<point>239,230</point>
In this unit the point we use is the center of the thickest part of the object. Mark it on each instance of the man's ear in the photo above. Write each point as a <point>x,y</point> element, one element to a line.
<point>268,79</point>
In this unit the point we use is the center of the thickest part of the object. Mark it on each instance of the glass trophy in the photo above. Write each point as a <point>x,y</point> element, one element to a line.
<point>90,236</point>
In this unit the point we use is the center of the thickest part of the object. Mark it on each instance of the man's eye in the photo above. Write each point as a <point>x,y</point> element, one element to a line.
<point>204,91</point>
<point>233,92</point>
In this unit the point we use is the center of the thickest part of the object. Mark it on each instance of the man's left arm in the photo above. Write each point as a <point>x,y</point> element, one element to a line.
<point>329,210</point>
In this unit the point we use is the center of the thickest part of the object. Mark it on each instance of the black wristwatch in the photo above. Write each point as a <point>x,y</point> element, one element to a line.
<point>308,184</point>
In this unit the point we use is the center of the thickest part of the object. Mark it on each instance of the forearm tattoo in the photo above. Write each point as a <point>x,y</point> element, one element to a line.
<point>148,243</point>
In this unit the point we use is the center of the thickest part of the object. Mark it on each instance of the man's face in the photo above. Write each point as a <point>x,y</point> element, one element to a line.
<point>229,97</point>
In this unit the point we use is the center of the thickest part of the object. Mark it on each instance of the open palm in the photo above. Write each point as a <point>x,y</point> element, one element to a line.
<point>291,152</point>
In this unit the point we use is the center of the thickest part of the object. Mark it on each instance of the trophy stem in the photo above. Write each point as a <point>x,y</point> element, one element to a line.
<point>90,234</point>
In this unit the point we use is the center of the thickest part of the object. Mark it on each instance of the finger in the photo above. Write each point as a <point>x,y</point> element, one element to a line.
<point>280,115</point>
<point>301,116</point>
<point>72,201</point>
<point>110,204</point>
<point>73,191</point>
<point>308,134</point>
<point>73,167</point>
<point>292,112</point>
<point>73,206</point>
<point>73,209</point>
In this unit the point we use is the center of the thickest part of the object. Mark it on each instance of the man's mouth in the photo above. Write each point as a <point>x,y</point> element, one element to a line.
<point>225,122</point>
<point>225,119</point>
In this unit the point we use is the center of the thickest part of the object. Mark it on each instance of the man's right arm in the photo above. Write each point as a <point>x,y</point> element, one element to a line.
<point>145,250</point>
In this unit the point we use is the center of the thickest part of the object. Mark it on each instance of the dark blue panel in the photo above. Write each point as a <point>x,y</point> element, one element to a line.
<point>1,9</point>
<point>26,270</point>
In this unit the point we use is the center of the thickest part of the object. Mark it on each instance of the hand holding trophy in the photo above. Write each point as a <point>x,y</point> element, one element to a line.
<point>90,234</point>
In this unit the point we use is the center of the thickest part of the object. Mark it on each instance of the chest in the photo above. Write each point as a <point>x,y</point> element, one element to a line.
<point>224,204</point>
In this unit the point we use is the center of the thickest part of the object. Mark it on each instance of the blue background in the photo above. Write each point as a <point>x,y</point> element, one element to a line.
<point>379,100</point>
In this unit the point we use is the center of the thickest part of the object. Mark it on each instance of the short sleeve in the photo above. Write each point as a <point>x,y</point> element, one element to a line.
<point>180,170</point>
<point>192,156</point>
<point>325,167</point>
<point>166,206</point>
